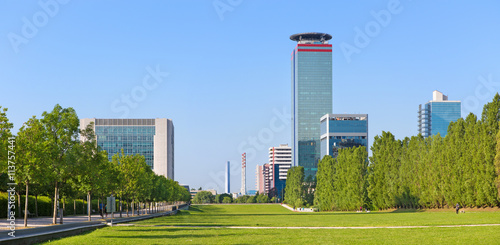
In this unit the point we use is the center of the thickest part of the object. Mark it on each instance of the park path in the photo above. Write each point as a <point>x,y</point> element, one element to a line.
<point>313,228</point>
<point>47,221</point>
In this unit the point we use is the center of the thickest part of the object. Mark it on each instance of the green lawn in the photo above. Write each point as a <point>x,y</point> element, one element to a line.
<point>275,215</point>
<point>157,231</point>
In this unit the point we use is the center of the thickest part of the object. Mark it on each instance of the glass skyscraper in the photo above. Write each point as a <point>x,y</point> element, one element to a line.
<point>435,116</point>
<point>343,131</point>
<point>311,96</point>
<point>151,138</point>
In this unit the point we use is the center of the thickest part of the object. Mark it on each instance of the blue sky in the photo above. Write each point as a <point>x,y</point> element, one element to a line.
<point>228,64</point>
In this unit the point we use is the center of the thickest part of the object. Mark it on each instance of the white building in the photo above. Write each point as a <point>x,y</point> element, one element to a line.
<point>281,158</point>
<point>152,138</point>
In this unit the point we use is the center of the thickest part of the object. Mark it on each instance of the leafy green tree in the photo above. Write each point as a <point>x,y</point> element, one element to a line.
<point>91,167</point>
<point>294,187</point>
<point>383,171</point>
<point>132,169</point>
<point>262,198</point>
<point>203,197</point>
<point>251,199</point>
<point>5,137</point>
<point>324,194</point>
<point>241,199</point>
<point>497,164</point>
<point>350,178</point>
<point>227,200</point>
<point>220,197</point>
<point>61,129</point>
<point>30,156</point>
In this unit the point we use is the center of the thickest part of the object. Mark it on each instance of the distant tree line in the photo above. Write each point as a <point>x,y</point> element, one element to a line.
<point>416,172</point>
<point>51,159</point>
<point>204,197</point>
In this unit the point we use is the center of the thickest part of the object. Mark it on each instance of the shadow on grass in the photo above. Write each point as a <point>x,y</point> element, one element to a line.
<point>407,210</point>
<point>171,234</point>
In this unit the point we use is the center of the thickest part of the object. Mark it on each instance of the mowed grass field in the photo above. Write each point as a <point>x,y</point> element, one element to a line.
<point>209,224</point>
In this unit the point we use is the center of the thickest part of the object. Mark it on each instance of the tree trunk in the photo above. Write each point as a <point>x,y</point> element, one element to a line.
<point>132,204</point>
<point>26,206</point>
<point>127,208</point>
<point>89,207</point>
<point>120,206</point>
<point>54,214</point>
<point>36,205</point>
<point>74,206</point>
<point>19,203</point>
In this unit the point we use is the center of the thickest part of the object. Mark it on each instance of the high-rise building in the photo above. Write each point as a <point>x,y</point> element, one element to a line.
<point>263,179</point>
<point>152,138</point>
<point>311,96</point>
<point>243,190</point>
<point>280,159</point>
<point>228,180</point>
<point>259,179</point>
<point>435,115</point>
<point>342,131</point>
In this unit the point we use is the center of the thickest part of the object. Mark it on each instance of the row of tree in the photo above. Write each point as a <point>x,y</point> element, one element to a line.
<point>417,172</point>
<point>204,197</point>
<point>48,152</point>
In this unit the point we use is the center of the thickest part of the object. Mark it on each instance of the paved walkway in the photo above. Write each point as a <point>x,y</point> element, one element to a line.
<point>312,228</point>
<point>46,221</point>
<point>308,210</point>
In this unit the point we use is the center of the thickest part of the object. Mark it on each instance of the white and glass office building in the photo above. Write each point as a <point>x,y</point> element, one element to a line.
<point>343,131</point>
<point>152,138</point>
<point>435,116</point>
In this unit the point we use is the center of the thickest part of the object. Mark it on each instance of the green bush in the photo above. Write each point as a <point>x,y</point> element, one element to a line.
<point>45,205</point>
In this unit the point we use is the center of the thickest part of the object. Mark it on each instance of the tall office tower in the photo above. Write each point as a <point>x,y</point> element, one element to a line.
<point>263,180</point>
<point>311,96</point>
<point>342,131</point>
<point>243,190</point>
<point>228,180</point>
<point>280,159</point>
<point>152,138</point>
<point>435,116</point>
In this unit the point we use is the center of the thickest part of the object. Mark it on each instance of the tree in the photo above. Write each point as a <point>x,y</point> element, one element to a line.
<point>251,199</point>
<point>133,171</point>
<point>91,167</point>
<point>220,197</point>
<point>383,171</point>
<point>203,197</point>
<point>324,194</point>
<point>262,198</point>
<point>61,129</point>
<point>497,164</point>
<point>5,137</point>
<point>294,186</point>
<point>227,199</point>
<point>30,156</point>
<point>350,178</point>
